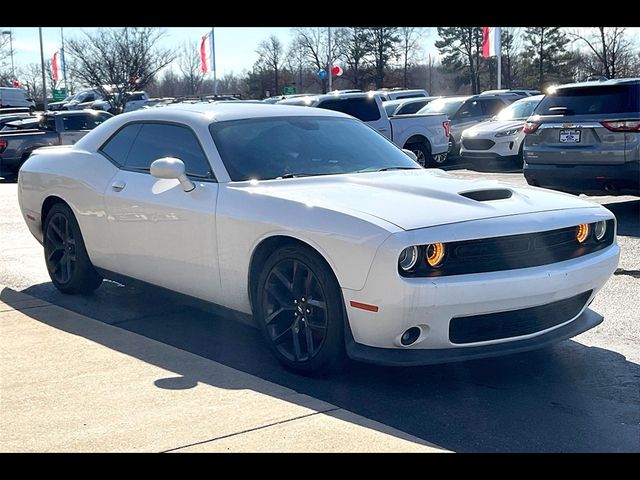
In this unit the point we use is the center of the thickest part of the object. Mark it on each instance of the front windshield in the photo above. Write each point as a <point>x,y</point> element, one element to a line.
<point>520,110</point>
<point>268,148</point>
<point>443,105</point>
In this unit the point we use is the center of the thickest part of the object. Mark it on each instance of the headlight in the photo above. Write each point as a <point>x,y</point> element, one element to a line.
<point>435,254</point>
<point>408,258</point>
<point>582,232</point>
<point>600,229</point>
<point>508,133</point>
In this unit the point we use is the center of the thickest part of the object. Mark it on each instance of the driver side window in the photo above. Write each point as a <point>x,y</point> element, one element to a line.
<point>469,109</point>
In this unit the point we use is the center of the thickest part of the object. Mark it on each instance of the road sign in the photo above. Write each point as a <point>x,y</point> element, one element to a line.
<point>58,94</point>
<point>289,90</point>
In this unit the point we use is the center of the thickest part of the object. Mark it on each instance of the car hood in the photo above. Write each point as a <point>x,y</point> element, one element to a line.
<point>491,127</point>
<point>412,199</point>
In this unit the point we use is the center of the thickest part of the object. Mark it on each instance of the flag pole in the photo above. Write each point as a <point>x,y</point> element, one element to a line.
<point>44,80</point>
<point>499,54</point>
<point>64,63</point>
<point>329,58</point>
<point>213,62</point>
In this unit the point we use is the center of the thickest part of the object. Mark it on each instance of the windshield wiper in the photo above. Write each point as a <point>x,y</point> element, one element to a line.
<point>302,174</point>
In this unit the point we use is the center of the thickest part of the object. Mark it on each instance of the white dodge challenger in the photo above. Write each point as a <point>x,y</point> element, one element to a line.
<point>331,236</point>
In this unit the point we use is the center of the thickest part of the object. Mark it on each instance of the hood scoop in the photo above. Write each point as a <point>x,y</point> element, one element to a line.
<point>487,195</point>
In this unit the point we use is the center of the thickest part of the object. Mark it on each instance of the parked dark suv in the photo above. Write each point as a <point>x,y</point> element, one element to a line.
<point>585,138</point>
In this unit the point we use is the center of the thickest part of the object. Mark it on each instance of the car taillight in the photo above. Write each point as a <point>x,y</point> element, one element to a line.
<point>530,127</point>
<point>622,125</point>
<point>3,145</point>
<point>447,127</point>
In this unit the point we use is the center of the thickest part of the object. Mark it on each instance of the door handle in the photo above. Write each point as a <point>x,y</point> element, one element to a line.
<point>118,185</point>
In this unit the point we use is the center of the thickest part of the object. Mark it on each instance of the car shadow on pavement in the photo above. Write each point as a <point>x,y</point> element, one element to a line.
<point>569,397</point>
<point>628,216</point>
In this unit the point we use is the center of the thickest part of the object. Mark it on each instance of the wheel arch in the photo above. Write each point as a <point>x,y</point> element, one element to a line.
<point>47,205</point>
<point>418,139</point>
<point>265,248</point>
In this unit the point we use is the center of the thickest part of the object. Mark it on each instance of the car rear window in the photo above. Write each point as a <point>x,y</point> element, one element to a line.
<point>363,108</point>
<point>599,99</point>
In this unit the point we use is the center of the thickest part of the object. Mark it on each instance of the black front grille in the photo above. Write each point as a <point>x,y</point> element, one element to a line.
<point>512,252</point>
<point>493,326</point>
<point>477,144</point>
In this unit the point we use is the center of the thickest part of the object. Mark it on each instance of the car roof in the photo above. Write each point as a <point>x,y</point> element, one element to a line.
<point>403,101</point>
<point>224,111</point>
<point>594,83</point>
<point>327,96</point>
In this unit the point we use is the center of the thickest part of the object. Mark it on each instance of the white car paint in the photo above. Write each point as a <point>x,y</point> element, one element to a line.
<point>201,243</point>
<point>504,131</point>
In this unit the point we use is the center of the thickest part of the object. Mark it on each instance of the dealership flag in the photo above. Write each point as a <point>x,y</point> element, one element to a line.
<point>57,66</point>
<point>490,41</point>
<point>208,53</point>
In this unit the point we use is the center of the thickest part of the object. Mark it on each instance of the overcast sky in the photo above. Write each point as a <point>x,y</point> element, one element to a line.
<point>235,46</point>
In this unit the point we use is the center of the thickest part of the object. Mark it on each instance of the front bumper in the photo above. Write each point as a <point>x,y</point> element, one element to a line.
<point>431,303</point>
<point>387,356</point>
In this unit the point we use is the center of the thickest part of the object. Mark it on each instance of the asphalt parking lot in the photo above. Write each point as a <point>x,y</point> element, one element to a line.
<point>582,395</point>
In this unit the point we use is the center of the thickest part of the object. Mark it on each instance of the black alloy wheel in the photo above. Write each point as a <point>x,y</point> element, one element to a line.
<point>299,308</point>
<point>66,257</point>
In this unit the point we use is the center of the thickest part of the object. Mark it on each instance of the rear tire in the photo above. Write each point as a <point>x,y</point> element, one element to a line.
<point>65,255</point>
<point>299,310</point>
<point>423,152</point>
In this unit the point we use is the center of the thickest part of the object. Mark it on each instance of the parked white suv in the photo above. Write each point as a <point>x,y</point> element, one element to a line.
<point>499,140</point>
<point>15,97</point>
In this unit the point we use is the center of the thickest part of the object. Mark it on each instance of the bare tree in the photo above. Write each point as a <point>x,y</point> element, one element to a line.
<point>116,60</point>
<point>511,44</point>
<point>409,49</point>
<point>609,45</point>
<point>31,78</point>
<point>271,52</point>
<point>315,43</point>
<point>297,60</point>
<point>460,48</point>
<point>384,44</point>
<point>545,46</point>
<point>356,52</point>
<point>189,64</point>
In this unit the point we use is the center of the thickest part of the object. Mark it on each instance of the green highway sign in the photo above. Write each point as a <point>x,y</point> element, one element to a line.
<point>58,94</point>
<point>289,90</point>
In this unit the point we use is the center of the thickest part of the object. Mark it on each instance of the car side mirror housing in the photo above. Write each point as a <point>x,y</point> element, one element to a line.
<point>172,168</point>
<point>411,155</point>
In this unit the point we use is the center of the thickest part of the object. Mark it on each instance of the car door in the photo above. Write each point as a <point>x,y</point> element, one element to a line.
<point>158,232</point>
<point>469,113</point>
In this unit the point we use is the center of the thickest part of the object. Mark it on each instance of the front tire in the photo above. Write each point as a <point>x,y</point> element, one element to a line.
<point>299,309</point>
<point>65,255</point>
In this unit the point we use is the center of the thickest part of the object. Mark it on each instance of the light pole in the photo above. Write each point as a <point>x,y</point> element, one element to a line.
<point>8,32</point>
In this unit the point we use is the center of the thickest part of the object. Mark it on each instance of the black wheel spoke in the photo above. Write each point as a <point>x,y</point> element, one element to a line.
<point>281,299</point>
<point>56,249</point>
<point>317,303</point>
<point>309,338</point>
<point>294,310</point>
<point>279,336</point>
<point>280,276</point>
<point>57,231</point>
<point>296,345</point>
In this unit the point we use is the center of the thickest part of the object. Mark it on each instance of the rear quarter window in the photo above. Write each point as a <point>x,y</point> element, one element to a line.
<point>599,99</point>
<point>363,108</point>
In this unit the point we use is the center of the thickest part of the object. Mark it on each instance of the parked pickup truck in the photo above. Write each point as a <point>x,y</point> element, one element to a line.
<point>21,137</point>
<point>425,135</point>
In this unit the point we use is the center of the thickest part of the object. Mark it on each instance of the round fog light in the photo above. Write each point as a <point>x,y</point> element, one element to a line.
<point>582,232</point>
<point>408,258</point>
<point>410,336</point>
<point>600,229</point>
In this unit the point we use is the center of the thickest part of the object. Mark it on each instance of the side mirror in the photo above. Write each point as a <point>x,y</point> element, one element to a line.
<point>411,155</point>
<point>172,168</point>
